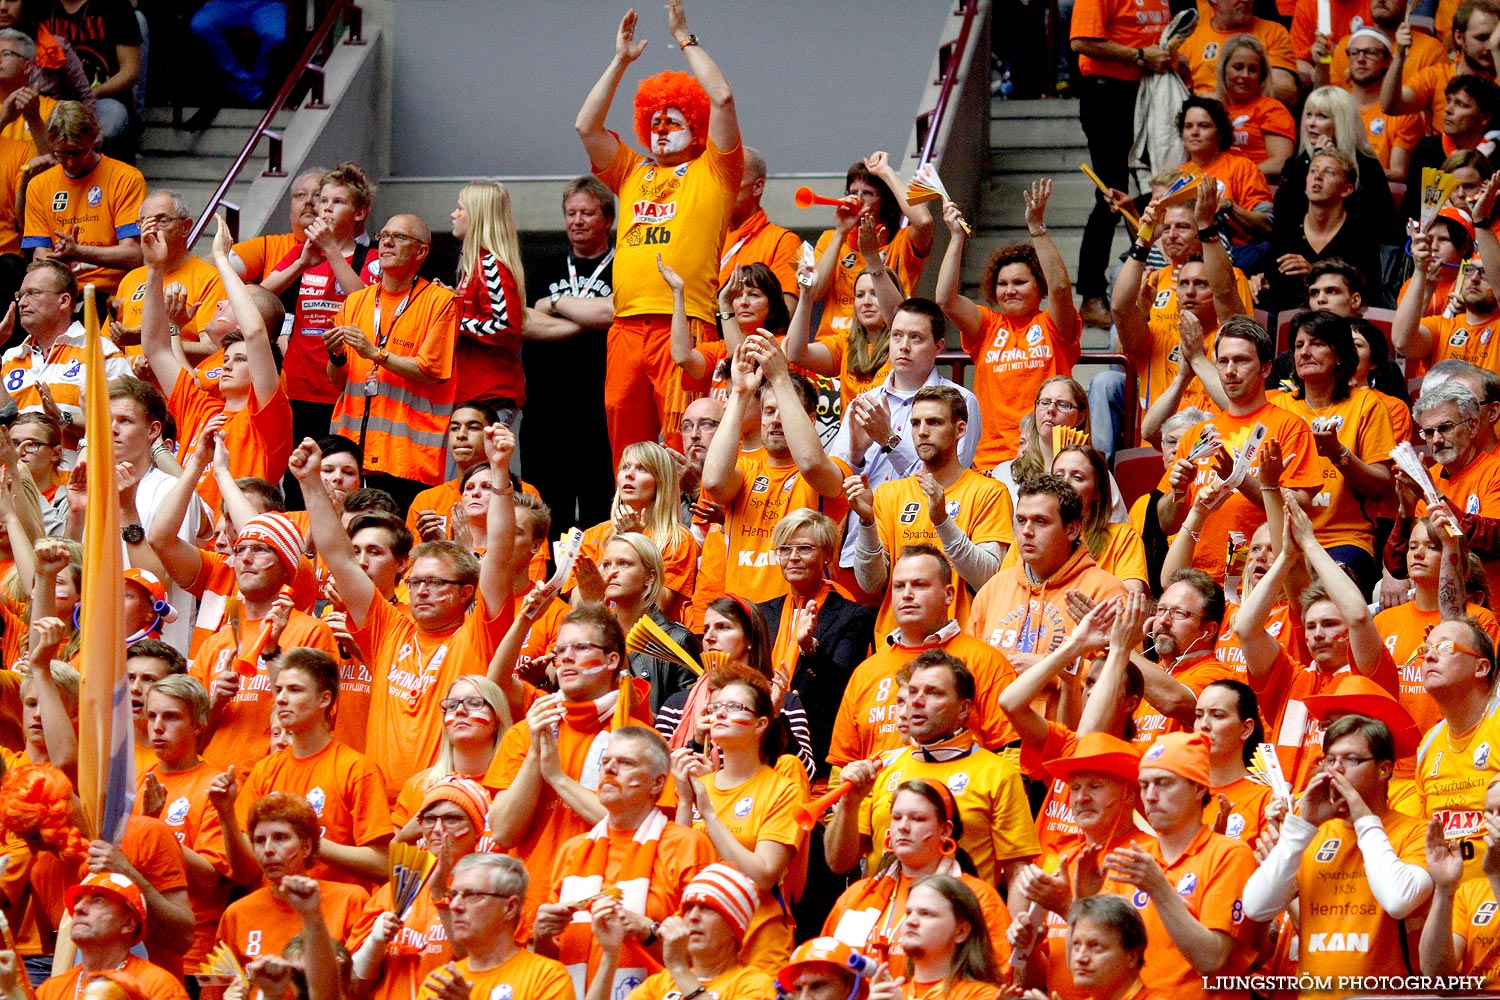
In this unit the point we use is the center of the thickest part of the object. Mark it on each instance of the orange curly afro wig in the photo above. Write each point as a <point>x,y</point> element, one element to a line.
<point>672,89</point>
<point>37,800</point>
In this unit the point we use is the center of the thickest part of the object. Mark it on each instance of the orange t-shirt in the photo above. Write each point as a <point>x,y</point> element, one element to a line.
<point>1388,132</point>
<point>1339,516</point>
<point>258,435</point>
<point>1404,628</point>
<point>758,240</point>
<point>1297,735</point>
<point>1429,86</point>
<point>260,924</point>
<point>1013,356</point>
<point>978,505</point>
<point>13,156</point>
<point>581,740</point>
<point>1136,24</point>
<point>1475,490</point>
<point>838,303</point>
<point>524,975</point>
<point>1247,809</point>
<point>678,212</point>
<point>857,915</point>
<point>1474,912</point>
<point>344,788</point>
<point>420,946</point>
<point>1237,518</point>
<point>1456,337</point>
<point>1254,121</point>
<point>767,494</point>
<point>148,980</point>
<point>195,824</point>
<point>851,384</point>
<point>1351,934</point>
<point>243,732</point>
<point>200,278</point>
<point>105,205</point>
<point>1210,878</point>
<point>866,720</point>
<point>413,670</point>
<point>262,253</point>
<point>681,853</point>
<point>1201,50</point>
<point>1240,180</point>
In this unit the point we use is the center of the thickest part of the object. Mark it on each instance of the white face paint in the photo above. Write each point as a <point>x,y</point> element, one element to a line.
<point>669,132</point>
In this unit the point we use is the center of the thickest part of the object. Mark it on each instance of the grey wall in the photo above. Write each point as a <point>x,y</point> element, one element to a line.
<point>491,87</point>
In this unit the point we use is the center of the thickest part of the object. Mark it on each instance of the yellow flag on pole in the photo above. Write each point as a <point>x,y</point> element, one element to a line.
<point>106,747</point>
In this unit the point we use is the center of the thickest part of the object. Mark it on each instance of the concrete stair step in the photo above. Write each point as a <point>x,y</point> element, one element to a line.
<point>1003,204</point>
<point>1035,133</point>
<point>245,118</point>
<point>189,167</point>
<point>1033,109</point>
<point>213,141</point>
<point>197,193</point>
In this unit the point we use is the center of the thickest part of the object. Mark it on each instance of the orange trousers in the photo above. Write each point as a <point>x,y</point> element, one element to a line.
<point>643,392</point>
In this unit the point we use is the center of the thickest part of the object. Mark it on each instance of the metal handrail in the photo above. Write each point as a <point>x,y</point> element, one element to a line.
<point>955,50</point>
<point>319,46</point>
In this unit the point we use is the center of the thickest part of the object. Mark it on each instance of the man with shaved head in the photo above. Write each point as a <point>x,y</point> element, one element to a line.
<point>391,347</point>
<point>755,239</point>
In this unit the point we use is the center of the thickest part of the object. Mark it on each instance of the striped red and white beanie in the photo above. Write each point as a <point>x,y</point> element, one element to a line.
<point>277,531</point>
<point>729,892</point>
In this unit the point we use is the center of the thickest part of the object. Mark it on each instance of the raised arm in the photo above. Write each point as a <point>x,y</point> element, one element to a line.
<point>722,479</point>
<point>181,559</point>
<point>801,348</point>
<point>1365,645</point>
<point>1260,649</point>
<point>1395,97</point>
<point>156,339</point>
<point>684,355</point>
<point>1132,323</point>
<point>1217,266</point>
<point>599,142</point>
<point>1059,286</point>
<point>1408,334</point>
<point>500,525</point>
<point>1091,635</point>
<point>329,536</point>
<point>816,467</point>
<point>961,310</point>
<point>1125,631</point>
<point>888,292</point>
<point>918,217</point>
<point>723,121</point>
<point>263,374</point>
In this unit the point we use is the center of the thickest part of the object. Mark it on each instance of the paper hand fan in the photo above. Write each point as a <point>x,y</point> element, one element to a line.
<point>650,638</point>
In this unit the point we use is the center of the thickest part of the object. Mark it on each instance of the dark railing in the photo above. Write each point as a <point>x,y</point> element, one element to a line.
<point>311,64</point>
<point>950,55</point>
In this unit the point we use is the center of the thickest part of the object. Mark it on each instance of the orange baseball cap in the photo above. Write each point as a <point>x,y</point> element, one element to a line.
<point>1356,694</point>
<point>1099,753</point>
<point>1183,754</point>
<point>110,884</point>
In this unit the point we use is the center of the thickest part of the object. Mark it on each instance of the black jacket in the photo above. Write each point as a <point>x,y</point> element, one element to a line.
<point>666,678</point>
<point>845,631</point>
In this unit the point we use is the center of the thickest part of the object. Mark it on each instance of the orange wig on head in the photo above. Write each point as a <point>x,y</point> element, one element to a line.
<point>37,800</point>
<point>672,89</point>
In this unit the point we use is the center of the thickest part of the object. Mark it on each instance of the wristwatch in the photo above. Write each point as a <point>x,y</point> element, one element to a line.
<point>381,356</point>
<point>890,444</point>
<point>691,39</point>
<point>133,534</point>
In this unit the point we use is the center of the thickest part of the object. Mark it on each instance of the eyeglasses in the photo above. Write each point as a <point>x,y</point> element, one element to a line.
<point>160,220</point>
<point>1445,647</point>
<point>575,648</point>
<point>471,704</point>
<point>1060,405</point>
<point>784,552</point>
<point>450,821</point>
<point>1178,614</point>
<point>1344,760</point>
<point>417,583</point>
<point>1444,429</point>
<point>400,239</point>
<point>28,447</point>
<point>725,708</point>
<point>31,293</point>
<point>1367,53</point>
<point>474,896</point>
<point>251,551</point>
<point>705,424</point>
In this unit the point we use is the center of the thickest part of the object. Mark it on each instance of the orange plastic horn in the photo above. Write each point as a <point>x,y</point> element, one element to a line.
<point>809,814</point>
<point>806,198</point>
<point>249,663</point>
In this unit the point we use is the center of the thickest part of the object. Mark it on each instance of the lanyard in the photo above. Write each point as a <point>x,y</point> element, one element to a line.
<point>372,380</point>
<point>588,286</point>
